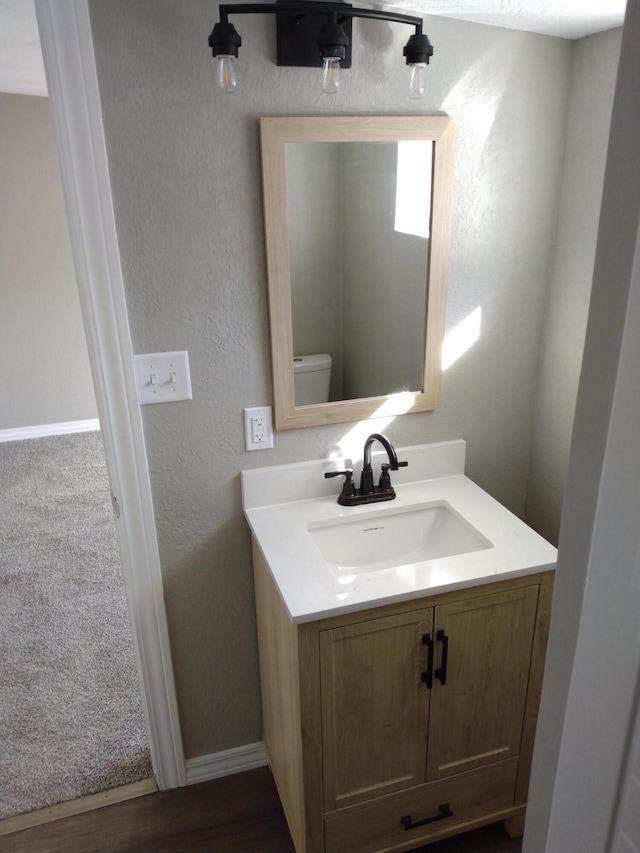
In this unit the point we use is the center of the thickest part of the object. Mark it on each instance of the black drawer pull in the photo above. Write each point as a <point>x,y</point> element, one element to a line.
<point>427,676</point>
<point>441,672</point>
<point>443,812</point>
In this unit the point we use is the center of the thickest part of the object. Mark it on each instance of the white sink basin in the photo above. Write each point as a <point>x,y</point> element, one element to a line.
<point>441,534</point>
<point>394,537</point>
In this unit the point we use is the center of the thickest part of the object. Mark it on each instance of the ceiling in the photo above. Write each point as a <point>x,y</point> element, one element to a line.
<point>22,71</point>
<point>21,68</point>
<point>570,19</point>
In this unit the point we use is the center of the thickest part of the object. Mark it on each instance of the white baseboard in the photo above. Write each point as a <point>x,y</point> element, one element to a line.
<point>226,763</point>
<point>43,430</point>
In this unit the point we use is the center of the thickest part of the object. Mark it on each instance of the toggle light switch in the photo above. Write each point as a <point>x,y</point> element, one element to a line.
<point>163,377</point>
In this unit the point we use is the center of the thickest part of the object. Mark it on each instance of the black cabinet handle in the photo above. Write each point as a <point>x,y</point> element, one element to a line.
<point>443,812</point>
<point>427,676</point>
<point>441,672</point>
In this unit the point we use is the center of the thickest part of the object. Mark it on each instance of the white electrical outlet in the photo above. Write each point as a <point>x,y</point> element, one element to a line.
<point>258,428</point>
<point>163,377</point>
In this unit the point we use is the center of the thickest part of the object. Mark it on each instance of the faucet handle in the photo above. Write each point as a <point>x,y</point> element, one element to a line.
<point>348,487</point>
<point>385,480</point>
<point>384,484</point>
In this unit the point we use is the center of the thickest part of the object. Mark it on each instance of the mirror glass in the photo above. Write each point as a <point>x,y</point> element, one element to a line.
<point>357,217</point>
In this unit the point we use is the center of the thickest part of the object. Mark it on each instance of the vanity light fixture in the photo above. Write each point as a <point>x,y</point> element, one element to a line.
<point>311,33</point>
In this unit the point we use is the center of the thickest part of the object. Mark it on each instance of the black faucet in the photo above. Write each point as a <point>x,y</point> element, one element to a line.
<point>368,493</point>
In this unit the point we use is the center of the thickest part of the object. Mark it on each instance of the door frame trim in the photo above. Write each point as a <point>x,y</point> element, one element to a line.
<point>67,47</point>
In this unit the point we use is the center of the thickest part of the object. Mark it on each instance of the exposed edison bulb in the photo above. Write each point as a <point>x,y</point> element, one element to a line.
<point>226,73</point>
<point>417,79</point>
<point>330,74</point>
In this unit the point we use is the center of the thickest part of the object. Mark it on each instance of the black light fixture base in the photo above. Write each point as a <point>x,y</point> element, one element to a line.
<point>224,40</point>
<point>418,49</point>
<point>297,35</point>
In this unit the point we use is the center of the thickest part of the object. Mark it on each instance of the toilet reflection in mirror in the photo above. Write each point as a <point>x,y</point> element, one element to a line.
<point>312,378</point>
<point>359,216</point>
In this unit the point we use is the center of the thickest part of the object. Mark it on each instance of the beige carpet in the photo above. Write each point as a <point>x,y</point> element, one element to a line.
<point>71,720</point>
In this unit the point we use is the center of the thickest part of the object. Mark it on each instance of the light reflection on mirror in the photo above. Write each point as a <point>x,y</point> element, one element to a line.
<point>414,170</point>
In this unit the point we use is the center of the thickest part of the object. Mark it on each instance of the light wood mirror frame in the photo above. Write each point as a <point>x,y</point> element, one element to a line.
<point>275,134</point>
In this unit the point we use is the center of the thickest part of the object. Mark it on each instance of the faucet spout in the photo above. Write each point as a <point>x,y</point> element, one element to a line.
<point>366,480</point>
<point>384,441</point>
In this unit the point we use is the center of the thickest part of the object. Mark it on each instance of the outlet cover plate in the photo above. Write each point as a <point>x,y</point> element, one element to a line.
<point>163,377</point>
<point>258,437</point>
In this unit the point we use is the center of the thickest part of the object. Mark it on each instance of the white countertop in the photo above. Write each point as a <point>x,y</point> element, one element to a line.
<point>310,590</point>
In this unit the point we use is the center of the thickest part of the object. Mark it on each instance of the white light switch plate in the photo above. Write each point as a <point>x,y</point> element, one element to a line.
<point>163,377</point>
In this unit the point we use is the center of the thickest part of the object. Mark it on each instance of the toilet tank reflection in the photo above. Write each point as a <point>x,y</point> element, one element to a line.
<point>312,378</point>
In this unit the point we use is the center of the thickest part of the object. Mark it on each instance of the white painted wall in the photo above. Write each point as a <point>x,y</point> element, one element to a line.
<point>593,76</point>
<point>44,366</point>
<point>187,192</point>
<point>589,693</point>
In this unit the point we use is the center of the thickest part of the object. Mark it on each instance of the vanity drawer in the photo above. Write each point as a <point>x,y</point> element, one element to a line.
<point>376,826</point>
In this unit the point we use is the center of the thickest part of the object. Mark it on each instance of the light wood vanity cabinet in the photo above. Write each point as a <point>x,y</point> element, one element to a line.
<point>392,727</point>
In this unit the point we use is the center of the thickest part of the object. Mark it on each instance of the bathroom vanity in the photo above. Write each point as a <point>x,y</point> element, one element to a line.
<point>399,698</point>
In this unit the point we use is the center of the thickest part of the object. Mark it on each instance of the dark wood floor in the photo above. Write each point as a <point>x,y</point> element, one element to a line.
<point>236,814</point>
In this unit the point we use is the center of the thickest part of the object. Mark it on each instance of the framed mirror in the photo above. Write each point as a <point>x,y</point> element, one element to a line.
<point>357,222</point>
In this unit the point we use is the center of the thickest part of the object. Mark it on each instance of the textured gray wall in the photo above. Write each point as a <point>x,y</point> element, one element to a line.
<point>593,77</point>
<point>185,171</point>
<point>44,365</point>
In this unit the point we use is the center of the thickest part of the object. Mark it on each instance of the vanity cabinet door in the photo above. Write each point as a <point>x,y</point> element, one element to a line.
<point>375,707</point>
<point>477,714</point>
